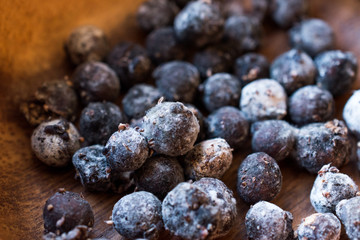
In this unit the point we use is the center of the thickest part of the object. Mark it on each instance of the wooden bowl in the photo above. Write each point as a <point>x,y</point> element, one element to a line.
<point>31,52</point>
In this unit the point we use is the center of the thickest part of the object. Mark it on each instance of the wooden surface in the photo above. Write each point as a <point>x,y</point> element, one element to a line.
<point>31,39</point>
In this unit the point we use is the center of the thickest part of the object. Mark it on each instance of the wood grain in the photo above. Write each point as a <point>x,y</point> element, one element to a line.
<point>32,35</point>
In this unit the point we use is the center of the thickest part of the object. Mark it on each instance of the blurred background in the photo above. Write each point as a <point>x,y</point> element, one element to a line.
<point>32,34</point>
